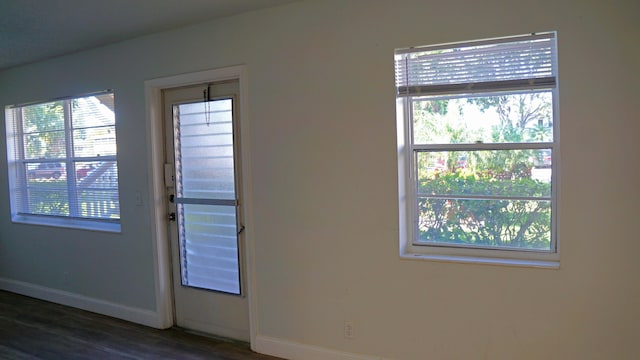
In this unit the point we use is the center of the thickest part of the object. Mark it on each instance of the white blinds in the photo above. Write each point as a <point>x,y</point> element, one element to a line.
<point>64,158</point>
<point>511,63</point>
<point>206,195</point>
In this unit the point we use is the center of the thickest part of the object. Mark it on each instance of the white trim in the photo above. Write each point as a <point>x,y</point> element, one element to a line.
<point>296,351</point>
<point>482,146</point>
<point>162,265</point>
<point>488,41</point>
<point>531,263</point>
<point>136,315</point>
<point>247,195</point>
<point>67,222</point>
<point>157,204</point>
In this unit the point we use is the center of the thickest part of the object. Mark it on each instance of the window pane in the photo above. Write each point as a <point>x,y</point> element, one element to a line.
<point>90,111</point>
<point>499,118</point>
<point>48,197</point>
<point>97,189</point>
<point>84,169</point>
<point>98,203</point>
<point>45,171</point>
<point>208,238</point>
<point>97,174</point>
<point>485,223</point>
<point>45,145</point>
<point>204,150</point>
<point>505,173</point>
<point>94,126</point>
<point>96,141</point>
<point>43,117</point>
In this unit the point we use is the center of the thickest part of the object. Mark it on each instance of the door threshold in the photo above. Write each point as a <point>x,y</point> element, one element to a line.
<point>212,336</point>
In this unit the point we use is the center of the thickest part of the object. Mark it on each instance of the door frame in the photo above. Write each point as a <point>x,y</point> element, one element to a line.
<point>157,191</point>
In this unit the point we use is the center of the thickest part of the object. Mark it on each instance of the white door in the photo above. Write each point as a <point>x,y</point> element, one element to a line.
<point>205,228</point>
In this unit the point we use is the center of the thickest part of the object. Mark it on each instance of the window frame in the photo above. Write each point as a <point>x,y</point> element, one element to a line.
<point>17,165</point>
<point>409,247</point>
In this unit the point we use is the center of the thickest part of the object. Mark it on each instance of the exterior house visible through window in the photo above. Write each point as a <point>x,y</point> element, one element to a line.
<point>62,161</point>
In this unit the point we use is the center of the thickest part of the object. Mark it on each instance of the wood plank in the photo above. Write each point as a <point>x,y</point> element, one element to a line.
<point>36,329</point>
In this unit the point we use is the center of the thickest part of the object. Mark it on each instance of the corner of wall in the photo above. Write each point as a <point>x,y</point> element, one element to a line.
<point>132,314</point>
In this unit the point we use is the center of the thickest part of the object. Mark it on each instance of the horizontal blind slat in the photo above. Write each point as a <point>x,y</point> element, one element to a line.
<point>495,62</point>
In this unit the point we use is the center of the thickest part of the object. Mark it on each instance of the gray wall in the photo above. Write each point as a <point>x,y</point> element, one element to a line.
<point>322,119</point>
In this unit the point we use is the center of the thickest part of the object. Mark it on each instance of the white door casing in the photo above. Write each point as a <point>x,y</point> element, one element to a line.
<point>164,297</point>
<point>202,163</point>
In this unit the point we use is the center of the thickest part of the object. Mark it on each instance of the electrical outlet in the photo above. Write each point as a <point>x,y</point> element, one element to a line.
<point>348,330</point>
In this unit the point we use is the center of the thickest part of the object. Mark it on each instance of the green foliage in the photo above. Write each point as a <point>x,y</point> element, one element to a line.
<point>44,124</point>
<point>505,163</point>
<point>484,222</point>
<point>439,107</point>
<point>49,198</point>
<point>540,132</point>
<point>501,175</point>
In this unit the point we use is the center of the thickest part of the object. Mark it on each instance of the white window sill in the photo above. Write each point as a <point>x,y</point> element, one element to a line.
<point>545,264</point>
<point>84,224</point>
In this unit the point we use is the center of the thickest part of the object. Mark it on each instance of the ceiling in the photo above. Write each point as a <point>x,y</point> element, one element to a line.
<point>34,30</point>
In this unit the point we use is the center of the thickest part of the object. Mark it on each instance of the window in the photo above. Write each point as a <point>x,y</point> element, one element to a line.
<point>62,162</point>
<point>478,143</point>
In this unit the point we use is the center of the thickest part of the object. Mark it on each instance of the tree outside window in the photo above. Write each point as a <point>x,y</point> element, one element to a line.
<point>479,129</point>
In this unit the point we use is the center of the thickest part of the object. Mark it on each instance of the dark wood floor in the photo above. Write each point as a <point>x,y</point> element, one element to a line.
<point>36,329</point>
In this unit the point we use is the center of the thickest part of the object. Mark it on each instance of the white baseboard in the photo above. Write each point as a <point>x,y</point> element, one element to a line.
<point>136,315</point>
<point>296,351</point>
